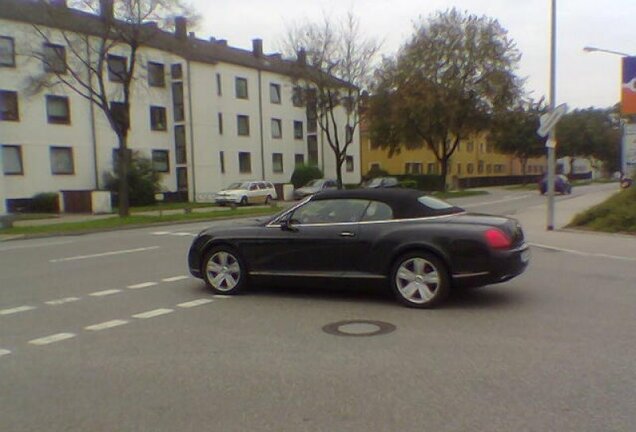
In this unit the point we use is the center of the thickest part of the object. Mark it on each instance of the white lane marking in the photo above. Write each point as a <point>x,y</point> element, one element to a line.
<point>62,301</point>
<point>106,325</point>
<point>38,245</point>
<point>51,339</point>
<point>4,352</point>
<point>221,296</point>
<point>142,285</point>
<point>104,293</point>
<point>183,234</point>
<point>161,233</point>
<point>494,202</point>
<point>581,253</point>
<point>119,252</point>
<point>153,313</point>
<point>194,303</point>
<point>175,278</point>
<point>16,310</point>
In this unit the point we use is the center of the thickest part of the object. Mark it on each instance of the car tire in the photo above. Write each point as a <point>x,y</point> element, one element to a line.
<point>244,201</point>
<point>420,280</point>
<point>268,199</point>
<point>224,271</point>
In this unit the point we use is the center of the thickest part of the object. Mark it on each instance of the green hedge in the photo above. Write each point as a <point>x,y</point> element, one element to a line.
<point>303,174</point>
<point>423,182</point>
<point>45,202</point>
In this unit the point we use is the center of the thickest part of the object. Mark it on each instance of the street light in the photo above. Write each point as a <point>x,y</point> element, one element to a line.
<point>590,49</point>
<point>552,134</point>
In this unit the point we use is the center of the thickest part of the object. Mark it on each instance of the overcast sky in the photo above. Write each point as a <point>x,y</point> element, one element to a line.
<point>584,79</point>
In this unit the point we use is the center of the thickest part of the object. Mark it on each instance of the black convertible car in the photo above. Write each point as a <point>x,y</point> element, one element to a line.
<point>419,245</point>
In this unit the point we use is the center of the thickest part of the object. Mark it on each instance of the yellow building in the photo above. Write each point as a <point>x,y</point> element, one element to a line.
<point>474,157</point>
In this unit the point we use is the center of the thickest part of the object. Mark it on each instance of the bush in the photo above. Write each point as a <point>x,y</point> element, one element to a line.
<point>303,174</point>
<point>143,181</point>
<point>425,182</point>
<point>45,202</point>
<point>408,184</point>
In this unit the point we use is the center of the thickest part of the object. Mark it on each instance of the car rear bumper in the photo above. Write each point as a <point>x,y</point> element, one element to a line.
<point>504,265</point>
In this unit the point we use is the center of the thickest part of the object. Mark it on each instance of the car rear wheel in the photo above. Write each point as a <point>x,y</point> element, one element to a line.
<point>420,280</point>
<point>268,199</point>
<point>244,201</point>
<point>224,271</point>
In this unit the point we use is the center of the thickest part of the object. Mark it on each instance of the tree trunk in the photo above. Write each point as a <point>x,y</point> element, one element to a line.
<point>524,167</point>
<point>339,171</point>
<point>124,161</point>
<point>444,174</point>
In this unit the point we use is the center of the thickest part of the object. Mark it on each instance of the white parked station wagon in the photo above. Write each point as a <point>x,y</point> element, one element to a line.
<point>248,192</point>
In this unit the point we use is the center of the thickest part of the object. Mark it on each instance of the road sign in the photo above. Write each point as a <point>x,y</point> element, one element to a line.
<point>550,119</point>
<point>551,143</point>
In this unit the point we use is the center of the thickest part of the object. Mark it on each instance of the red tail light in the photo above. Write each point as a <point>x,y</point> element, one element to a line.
<point>497,239</point>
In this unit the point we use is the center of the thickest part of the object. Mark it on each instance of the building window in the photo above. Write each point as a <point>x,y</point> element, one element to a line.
<point>349,163</point>
<point>431,168</point>
<point>459,146</point>
<point>245,162</point>
<point>12,160</point>
<point>374,166</point>
<point>54,58</point>
<point>120,115</point>
<point>177,102</point>
<point>176,71</point>
<point>499,168</point>
<point>459,168</point>
<point>488,169</point>
<point>349,133</point>
<point>274,93</point>
<point>277,128</point>
<point>312,149</point>
<point>62,160</point>
<point>220,117</point>
<point>241,88</point>
<point>158,118</point>
<point>180,144</point>
<point>243,125</point>
<point>160,161</point>
<point>182,179</point>
<point>297,97</point>
<point>299,159</point>
<point>219,87</point>
<point>413,168</point>
<point>470,168</point>
<point>9,105</point>
<point>480,167</point>
<point>117,68</point>
<point>222,161</point>
<point>277,162</point>
<point>470,147</point>
<point>298,130</point>
<point>489,148</point>
<point>57,110</point>
<point>156,77</point>
<point>7,51</point>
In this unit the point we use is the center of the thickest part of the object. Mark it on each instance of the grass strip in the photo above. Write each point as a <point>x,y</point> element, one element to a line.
<point>617,214</point>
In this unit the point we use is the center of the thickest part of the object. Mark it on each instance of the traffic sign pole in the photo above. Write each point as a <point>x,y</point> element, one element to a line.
<point>552,136</point>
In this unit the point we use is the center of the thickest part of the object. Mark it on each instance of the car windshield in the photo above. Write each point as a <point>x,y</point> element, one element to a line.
<point>237,185</point>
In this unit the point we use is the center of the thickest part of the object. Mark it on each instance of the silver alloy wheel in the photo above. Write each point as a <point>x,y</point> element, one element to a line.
<point>223,271</point>
<point>417,280</point>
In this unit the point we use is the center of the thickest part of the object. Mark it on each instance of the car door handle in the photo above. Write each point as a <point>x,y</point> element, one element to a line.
<point>347,234</point>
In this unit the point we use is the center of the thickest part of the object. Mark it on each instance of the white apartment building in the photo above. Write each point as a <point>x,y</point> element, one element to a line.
<point>206,114</point>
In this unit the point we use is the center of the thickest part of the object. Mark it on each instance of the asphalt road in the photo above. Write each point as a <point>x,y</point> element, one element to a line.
<point>107,332</point>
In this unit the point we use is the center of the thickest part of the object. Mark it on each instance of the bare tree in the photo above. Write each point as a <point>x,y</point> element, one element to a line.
<point>102,43</point>
<point>335,63</point>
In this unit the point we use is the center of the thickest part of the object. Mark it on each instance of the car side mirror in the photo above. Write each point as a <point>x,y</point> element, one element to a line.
<point>286,225</point>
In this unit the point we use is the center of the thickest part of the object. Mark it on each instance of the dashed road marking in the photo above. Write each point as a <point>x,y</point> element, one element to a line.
<point>178,234</point>
<point>194,303</point>
<point>52,339</point>
<point>106,325</point>
<point>16,310</point>
<point>62,301</point>
<point>175,278</point>
<point>153,313</point>
<point>221,296</point>
<point>4,352</point>
<point>161,233</point>
<point>184,234</point>
<point>142,285</point>
<point>99,255</point>
<point>105,292</point>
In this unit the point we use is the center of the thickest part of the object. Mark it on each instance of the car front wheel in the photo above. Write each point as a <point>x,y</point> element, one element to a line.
<point>224,271</point>
<point>420,280</point>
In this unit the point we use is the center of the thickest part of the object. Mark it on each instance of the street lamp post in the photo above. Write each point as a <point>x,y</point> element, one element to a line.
<point>552,135</point>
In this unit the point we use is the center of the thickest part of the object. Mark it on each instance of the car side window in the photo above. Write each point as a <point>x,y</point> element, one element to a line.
<point>329,211</point>
<point>262,186</point>
<point>377,211</point>
<point>253,187</point>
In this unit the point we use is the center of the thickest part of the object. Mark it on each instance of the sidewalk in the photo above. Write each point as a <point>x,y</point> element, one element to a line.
<point>534,222</point>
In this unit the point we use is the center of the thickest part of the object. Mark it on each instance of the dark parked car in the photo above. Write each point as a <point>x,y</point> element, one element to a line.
<point>381,182</point>
<point>315,186</point>
<point>561,185</point>
<point>420,246</point>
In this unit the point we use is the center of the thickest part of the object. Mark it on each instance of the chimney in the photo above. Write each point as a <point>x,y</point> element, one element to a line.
<point>59,3</point>
<point>301,57</point>
<point>192,35</point>
<point>106,9</point>
<point>257,47</point>
<point>180,27</point>
<point>222,42</point>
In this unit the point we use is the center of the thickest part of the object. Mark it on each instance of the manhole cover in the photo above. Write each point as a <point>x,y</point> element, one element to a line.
<point>359,328</point>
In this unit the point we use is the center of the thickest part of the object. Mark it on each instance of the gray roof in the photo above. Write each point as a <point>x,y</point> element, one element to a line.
<point>199,50</point>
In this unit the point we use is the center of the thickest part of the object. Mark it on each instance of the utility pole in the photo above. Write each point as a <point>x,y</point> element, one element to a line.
<point>552,136</point>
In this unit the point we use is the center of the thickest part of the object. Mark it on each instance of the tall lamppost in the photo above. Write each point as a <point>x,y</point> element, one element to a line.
<point>590,49</point>
<point>552,136</point>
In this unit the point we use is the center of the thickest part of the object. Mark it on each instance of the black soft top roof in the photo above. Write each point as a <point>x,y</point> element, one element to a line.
<point>404,202</point>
